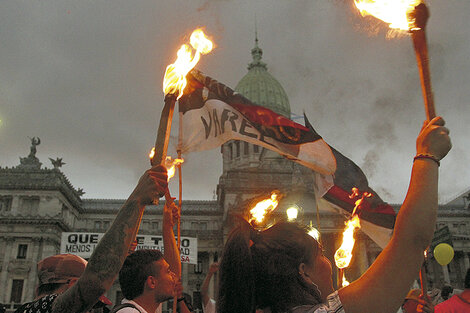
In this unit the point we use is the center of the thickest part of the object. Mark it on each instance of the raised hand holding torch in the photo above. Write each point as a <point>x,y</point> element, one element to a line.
<point>174,83</point>
<point>411,16</point>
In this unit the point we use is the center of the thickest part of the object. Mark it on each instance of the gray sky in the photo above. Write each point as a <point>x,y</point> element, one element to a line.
<point>85,77</point>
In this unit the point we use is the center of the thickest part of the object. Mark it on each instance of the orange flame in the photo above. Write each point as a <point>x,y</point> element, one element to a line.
<point>175,75</point>
<point>263,207</point>
<point>343,255</point>
<point>171,165</point>
<point>393,12</point>
<point>152,153</point>
<point>345,282</point>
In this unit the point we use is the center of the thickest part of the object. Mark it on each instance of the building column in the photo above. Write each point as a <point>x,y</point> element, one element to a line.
<point>466,260</point>
<point>363,259</point>
<point>446,274</point>
<point>185,275</point>
<point>31,285</point>
<point>212,282</point>
<point>9,242</point>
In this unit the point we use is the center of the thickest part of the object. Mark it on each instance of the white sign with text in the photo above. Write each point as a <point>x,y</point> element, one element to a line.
<point>83,244</point>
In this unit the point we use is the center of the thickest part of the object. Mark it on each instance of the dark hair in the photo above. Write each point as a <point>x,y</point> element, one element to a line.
<point>467,279</point>
<point>135,270</point>
<point>261,269</point>
<point>47,289</point>
<point>446,291</point>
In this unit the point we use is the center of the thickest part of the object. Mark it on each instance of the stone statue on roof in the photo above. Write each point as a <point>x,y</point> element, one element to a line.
<point>31,161</point>
<point>35,141</point>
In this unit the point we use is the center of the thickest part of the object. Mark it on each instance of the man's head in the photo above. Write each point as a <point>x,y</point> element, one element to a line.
<point>146,272</point>
<point>446,291</point>
<point>58,272</point>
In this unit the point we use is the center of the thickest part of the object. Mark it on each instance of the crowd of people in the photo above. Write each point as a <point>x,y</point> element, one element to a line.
<point>277,270</point>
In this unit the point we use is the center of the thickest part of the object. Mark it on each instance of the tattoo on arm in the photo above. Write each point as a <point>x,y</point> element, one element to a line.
<point>105,263</point>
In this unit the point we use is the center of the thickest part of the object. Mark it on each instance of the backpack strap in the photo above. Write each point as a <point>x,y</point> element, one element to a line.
<point>121,306</point>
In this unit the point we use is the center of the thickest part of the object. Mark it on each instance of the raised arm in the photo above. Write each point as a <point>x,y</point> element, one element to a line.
<point>170,248</point>
<point>205,284</point>
<point>109,255</point>
<point>384,285</point>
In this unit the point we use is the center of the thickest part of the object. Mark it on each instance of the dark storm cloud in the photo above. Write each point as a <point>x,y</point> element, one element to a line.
<point>86,77</point>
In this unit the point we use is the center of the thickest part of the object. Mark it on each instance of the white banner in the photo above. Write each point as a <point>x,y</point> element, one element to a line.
<point>83,244</point>
<point>217,122</point>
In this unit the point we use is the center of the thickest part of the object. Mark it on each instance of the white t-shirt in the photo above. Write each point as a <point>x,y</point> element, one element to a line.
<point>333,305</point>
<point>210,306</point>
<point>141,309</point>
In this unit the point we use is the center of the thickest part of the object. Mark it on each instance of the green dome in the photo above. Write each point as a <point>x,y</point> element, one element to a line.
<point>262,88</point>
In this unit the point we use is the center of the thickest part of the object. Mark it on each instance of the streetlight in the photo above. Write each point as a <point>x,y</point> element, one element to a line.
<point>292,212</point>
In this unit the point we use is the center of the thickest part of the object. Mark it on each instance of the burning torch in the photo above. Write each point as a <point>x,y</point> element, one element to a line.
<point>174,83</point>
<point>411,16</point>
<point>263,208</point>
<point>344,255</point>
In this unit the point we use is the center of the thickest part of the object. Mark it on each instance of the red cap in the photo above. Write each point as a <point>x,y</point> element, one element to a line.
<point>61,268</point>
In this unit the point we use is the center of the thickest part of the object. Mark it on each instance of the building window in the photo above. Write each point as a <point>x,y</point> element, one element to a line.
<point>29,204</point>
<point>22,249</point>
<point>5,203</point>
<point>97,225</point>
<point>256,148</point>
<point>16,290</point>
<point>237,148</point>
<point>106,225</point>
<point>155,225</point>
<point>198,225</point>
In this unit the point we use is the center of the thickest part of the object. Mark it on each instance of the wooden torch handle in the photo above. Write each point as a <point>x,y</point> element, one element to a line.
<point>421,15</point>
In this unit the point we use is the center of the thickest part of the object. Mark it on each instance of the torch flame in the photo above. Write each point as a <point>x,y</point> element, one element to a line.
<point>152,153</point>
<point>393,12</point>
<point>344,254</point>
<point>345,282</point>
<point>263,207</point>
<point>170,163</point>
<point>175,74</point>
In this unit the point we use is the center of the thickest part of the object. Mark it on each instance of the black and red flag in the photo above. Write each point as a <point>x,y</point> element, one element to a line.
<point>213,114</point>
<point>377,217</point>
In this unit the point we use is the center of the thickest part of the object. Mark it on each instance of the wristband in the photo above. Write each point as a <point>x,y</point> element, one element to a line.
<point>427,156</point>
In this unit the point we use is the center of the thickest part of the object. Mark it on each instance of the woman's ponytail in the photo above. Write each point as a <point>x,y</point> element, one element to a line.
<point>236,279</point>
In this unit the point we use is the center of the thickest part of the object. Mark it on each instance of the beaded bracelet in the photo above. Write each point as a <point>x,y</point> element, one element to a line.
<point>427,156</point>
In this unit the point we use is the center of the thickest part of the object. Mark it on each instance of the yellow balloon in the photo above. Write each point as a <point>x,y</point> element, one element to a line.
<point>443,253</point>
